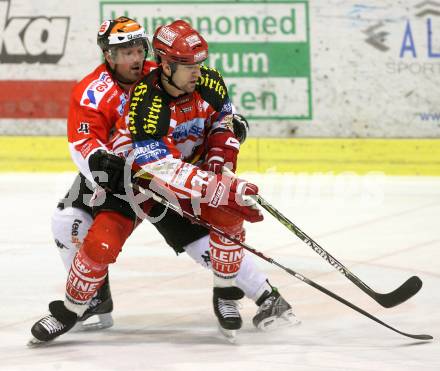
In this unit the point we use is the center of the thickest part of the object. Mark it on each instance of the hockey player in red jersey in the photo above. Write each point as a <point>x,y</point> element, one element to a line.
<point>176,113</point>
<point>85,144</point>
<point>96,103</point>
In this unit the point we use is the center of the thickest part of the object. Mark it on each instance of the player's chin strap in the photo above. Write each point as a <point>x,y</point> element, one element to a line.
<point>408,289</point>
<point>302,278</point>
<point>169,79</point>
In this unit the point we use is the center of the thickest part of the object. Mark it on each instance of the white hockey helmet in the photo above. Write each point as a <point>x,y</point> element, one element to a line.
<point>121,32</point>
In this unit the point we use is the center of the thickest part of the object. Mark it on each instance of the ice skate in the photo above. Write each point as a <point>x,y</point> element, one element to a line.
<point>226,311</point>
<point>274,312</point>
<point>98,315</point>
<point>59,321</point>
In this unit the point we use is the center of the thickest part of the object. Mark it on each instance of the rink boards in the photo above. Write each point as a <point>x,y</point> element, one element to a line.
<point>299,155</point>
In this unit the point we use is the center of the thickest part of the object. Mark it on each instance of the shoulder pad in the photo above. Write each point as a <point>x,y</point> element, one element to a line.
<point>212,87</point>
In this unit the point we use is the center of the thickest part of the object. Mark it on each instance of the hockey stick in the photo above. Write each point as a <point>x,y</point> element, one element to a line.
<point>408,289</point>
<point>302,278</point>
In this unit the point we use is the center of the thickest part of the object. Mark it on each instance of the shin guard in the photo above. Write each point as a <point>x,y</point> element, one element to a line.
<point>84,279</point>
<point>226,257</point>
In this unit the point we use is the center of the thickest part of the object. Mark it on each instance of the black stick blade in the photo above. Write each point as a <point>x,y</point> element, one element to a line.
<point>419,337</point>
<point>408,289</point>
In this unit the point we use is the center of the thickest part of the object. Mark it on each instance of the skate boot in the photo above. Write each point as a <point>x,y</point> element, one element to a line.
<point>226,310</point>
<point>99,311</point>
<point>273,312</point>
<point>59,321</point>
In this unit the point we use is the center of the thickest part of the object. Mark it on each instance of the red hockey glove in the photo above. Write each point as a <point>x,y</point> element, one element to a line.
<point>223,151</point>
<point>224,194</point>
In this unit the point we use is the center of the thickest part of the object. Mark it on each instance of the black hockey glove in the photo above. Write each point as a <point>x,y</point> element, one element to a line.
<point>102,162</point>
<point>240,126</point>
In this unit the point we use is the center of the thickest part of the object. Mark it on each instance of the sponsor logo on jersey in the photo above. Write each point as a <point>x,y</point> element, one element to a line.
<point>39,39</point>
<point>138,96</point>
<point>150,151</point>
<point>86,149</point>
<point>112,95</point>
<point>123,99</point>
<point>214,83</point>
<point>186,109</point>
<point>152,119</point>
<point>167,36</point>
<point>194,127</point>
<point>84,127</point>
<point>96,90</point>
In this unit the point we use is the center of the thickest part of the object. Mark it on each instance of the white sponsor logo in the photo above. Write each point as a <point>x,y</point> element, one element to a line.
<point>150,151</point>
<point>145,149</point>
<point>232,142</point>
<point>167,36</point>
<point>218,194</point>
<point>200,56</point>
<point>96,90</point>
<point>193,40</point>
<point>104,27</point>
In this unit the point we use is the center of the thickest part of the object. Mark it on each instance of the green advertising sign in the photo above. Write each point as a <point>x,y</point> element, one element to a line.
<point>262,48</point>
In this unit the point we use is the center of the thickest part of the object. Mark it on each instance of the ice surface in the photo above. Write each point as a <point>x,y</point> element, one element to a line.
<point>384,229</point>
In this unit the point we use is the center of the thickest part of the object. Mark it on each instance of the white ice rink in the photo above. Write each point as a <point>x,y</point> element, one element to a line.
<point>384,229</point>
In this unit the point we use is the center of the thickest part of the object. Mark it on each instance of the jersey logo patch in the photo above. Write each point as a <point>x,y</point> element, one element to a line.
<point>149,151</point>
<point>194,127</point>
<point>84,128</point>
<point>123,99</point>
<point>96,90</point>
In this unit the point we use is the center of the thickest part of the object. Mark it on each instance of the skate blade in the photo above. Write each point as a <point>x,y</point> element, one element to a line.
<point>287,319</point>
<point>94,323</point>
<point>230,335</point>
<point>35,343</point>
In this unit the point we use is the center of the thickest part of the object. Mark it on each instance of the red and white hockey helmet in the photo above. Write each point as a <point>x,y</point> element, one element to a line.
<point>178,42</point>
<point>121,32</point>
